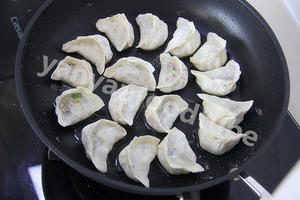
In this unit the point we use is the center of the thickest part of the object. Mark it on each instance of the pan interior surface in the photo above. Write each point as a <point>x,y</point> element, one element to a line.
<point>263,79</point>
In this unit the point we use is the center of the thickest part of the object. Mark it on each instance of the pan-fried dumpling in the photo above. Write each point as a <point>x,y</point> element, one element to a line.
<point>173,74</point>
<point>162,112</point>
<point>176,155</point>
<point>223,111</point>
<point>118,29</point>
<point>220,81</point>
<point>125,102</point>
<point>98,140</point>
<point>215,138</point>
<point>75,72</point>
<point>94,48</point>
<point>212,54</point>
<point>76,104</point>
<point>135,159</point>
<point>132,70</point>
<point>153,31</point>
<point>186,39</point>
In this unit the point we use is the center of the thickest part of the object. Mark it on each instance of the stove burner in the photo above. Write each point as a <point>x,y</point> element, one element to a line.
<point>62,182</point>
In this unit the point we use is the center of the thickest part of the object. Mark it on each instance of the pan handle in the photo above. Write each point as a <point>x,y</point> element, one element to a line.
<point>255,186</point>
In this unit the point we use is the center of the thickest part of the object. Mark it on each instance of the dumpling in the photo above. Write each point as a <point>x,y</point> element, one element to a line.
<point>223,111</point>
<point>135,159</point>
<point>125,102</point>
<point>118,29</point>
<point>212,54</point>
<point>76,104</point>
<point>132,70</point>
<point>220,81</point>
<point>75,72</point>
<point>153,31</point>
<point>162,112</point>
<point>94,48</point>
<point>215,138</point>
<point>98,140</point>
<point>186,39</point>
<point>173,74</point>
<point>176,155</point>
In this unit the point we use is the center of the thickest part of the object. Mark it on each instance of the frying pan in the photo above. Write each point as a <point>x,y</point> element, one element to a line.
<point>250,42</point>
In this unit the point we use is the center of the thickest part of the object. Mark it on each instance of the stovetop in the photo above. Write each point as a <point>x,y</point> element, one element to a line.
<point>28,171</point>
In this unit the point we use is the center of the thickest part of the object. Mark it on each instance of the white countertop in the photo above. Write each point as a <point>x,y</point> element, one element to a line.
<point>284,18</point>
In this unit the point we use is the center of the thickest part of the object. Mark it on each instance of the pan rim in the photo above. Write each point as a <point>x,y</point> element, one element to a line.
<point>137,188</point>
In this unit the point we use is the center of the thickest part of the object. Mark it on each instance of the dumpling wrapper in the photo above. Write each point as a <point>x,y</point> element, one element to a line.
<point>153,31</point>
<point>162,112</point>
<point>212,54</point>
<point>214,138</point>
<point>98,140</point>
<point>186,39</point>
<point>224,111</point>
<point>118,29</point>
<point>135,159</point>
<point>75,105</point>
<point>75,72</point>
<point>132,70</point>
<point>94,48</point>
<point>176,155</point>
<point>125,102</point>
<point>220,81</point>
<point>173,74</point>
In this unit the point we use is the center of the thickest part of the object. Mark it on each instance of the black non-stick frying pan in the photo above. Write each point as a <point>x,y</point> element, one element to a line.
<point>250,42</point>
